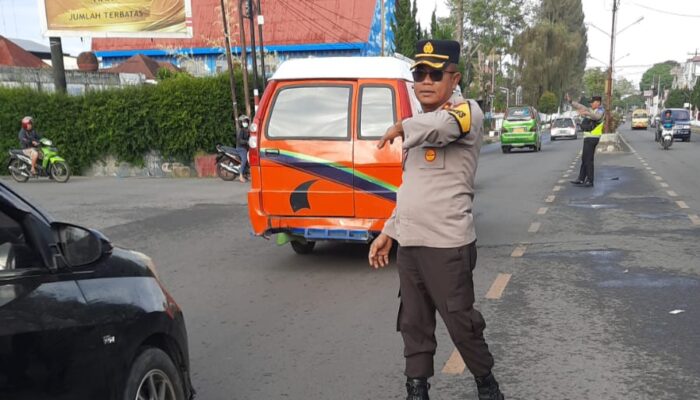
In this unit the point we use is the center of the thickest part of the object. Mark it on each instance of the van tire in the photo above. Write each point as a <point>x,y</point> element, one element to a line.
<point>303,247</point>
<point>505,150</point>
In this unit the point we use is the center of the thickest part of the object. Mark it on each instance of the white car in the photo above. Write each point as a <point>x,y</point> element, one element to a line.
<point>564,128</point>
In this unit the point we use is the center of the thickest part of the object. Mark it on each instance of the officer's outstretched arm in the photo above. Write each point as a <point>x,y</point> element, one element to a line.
<point>438,128</point>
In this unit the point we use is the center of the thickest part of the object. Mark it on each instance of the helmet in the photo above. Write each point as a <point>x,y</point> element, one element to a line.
<point>26,121</point>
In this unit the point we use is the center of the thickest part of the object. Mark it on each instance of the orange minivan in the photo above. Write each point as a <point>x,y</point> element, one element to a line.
<point>316,173</point>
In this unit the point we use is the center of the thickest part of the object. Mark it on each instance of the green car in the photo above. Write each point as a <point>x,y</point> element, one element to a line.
<point>521,128</point>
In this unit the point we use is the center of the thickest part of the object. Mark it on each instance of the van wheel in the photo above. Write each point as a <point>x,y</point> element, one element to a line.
<point>505,150</point>
<point>303,247</point>
<point>153,375</point>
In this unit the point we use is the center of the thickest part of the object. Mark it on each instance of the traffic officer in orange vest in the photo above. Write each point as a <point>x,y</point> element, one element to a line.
<point>434,225</point>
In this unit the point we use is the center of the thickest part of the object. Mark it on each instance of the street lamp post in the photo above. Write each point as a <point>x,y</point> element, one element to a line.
<point>504,89</point>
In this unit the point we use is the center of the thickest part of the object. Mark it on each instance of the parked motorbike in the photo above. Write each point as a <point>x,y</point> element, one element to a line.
<point>50,164</point>
<point>228,163</point>
<point>666,137</point>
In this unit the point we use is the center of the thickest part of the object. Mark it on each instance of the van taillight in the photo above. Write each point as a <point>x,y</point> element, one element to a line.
<point>254,152</point>
<point>404,102</point>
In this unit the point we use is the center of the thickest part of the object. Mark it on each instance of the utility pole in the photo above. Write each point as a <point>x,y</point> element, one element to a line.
<point>261,22</point>
<point>608,86</point>
<point>251,16</point>
<point>229,60</point>
<point>381,4</point>
<point>59,72</point>
<point>244,58</point>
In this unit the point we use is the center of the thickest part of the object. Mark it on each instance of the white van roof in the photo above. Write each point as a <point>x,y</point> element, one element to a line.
<point>344,68</point>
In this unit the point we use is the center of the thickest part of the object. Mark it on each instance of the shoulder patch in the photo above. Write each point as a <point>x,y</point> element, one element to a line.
<point>463,116</point>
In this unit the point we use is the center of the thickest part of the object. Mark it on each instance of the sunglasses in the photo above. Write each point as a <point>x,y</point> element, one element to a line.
<point>436,75</point>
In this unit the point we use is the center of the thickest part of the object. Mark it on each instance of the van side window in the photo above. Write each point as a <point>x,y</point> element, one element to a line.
<point>311,112</point>
<point>15,253</point>
<point>377,110</point>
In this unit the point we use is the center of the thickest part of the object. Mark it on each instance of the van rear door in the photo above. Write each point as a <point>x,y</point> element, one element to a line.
<point>306,150</point>
<point>377,172</point>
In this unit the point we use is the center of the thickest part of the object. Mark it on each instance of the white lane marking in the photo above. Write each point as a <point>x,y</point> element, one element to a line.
<point>672,193</point>
<point>518,251</point>
<point>663,184</point>
<point>562,181</point>
<point>652,172</point>
<point>550,198</point>
<point>694,219</point>
<point>498,286</point>
<point>454,365</point>
<point>534,227</point>
<point>568,171</point>
<point>658,178</point>
<point>557,188</point>
<point>682,204</point>
<point>542,211</point>
<point>648,168</point>
<point>565,175</point>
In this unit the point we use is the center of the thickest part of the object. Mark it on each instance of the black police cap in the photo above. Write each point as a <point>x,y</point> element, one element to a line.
<point>436,53</point>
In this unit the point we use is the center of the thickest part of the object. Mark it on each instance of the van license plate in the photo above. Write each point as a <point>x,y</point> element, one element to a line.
<point>519,130</point>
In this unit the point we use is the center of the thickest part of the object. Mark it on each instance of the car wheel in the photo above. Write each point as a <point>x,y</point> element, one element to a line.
<point>153,375</point>
<point>505,150</point>
<point>303,247</point>
<point>553,138</point>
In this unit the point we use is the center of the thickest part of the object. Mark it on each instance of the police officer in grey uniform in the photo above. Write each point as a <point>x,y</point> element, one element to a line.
<point>434,225</point>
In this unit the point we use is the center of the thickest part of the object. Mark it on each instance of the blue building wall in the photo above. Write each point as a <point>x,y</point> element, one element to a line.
<point>209,56</point>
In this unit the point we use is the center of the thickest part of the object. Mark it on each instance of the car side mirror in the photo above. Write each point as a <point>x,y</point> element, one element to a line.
<point>80,246</point>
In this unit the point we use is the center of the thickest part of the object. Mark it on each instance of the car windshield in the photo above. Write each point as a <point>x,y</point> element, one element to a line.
<point>563,123</point>
<point>518,114</point>
<point>639,114</point>
<point>679,115</point>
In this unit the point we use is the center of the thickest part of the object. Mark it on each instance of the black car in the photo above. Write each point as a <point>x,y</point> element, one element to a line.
<point>81,319</point>
<point>681,123</point>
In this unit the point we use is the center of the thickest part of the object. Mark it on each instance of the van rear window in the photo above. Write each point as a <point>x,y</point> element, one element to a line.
<point>518,114</point>
<point>312,112</point>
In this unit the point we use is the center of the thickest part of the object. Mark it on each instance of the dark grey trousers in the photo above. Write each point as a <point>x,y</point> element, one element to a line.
<point>587,172</point>
<point>440,279</point>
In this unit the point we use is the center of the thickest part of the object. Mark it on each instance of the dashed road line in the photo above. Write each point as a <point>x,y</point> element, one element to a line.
<point>648,168</point>
<point>556,188</point>
<point>542,210</point>
<point>454,365</point>
<point>663,184</point>
<point>534,227</point>
<point>550,198</point>
<point>694,219</point>
<point>658,178</point>
<point>682,204</point>
<point>652,172</point>
<point>519,251</point>
<point>498,286</point>
<point>565,175</point>
<point>672,193</point>
<point>562,181</point>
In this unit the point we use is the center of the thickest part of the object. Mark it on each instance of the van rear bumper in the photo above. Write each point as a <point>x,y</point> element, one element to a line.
<point>320,228</point>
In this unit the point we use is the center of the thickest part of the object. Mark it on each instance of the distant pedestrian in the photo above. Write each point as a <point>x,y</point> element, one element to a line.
<point>434,225</point>
<point>592,126</point>
<point>242,147</point>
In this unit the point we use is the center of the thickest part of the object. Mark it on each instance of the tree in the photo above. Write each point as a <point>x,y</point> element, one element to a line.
<point>548,103</point>
<point>406,29</point>
<point>677,98</point>
<point>594,82</point>
<point>651,76</point>
<point>441,28</point>
<point>551,54</point>
<point>695,95</point>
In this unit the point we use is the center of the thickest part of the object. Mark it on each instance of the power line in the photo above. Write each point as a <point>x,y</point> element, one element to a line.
<point>332,26</point>
<point>337,14</point>
<point>666,12</point>
<point>324,18</point>
<point>300,14</point>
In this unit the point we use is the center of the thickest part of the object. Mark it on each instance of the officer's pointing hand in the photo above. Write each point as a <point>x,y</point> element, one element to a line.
<point>379,251</point>
<point>392,133</point>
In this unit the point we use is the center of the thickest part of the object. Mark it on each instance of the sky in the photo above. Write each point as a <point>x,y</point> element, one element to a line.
<point>660,36</point>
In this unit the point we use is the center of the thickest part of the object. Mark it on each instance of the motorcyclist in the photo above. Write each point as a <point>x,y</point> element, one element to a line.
<point>242,145</point>
<point>29,139</point>
<point>666,123</point>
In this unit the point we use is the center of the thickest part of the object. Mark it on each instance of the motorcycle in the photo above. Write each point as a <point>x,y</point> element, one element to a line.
<point>666,137</point>
<point>228,163</point>
<point>51,164</point>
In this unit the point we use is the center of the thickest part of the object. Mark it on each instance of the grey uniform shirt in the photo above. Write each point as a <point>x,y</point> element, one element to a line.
<point>434,201</point>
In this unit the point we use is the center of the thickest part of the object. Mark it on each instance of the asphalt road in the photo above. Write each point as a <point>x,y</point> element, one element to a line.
<point>588,279</point>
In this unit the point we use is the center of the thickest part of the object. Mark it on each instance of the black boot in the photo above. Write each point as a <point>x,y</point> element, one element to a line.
<point>417,389</point>
<point>488,388</point>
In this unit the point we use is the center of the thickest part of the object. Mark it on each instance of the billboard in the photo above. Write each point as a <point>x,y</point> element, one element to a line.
<point>117,18</point>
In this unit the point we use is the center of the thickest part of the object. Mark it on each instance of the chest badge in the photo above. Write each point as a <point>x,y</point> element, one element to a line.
<point>430,155</point>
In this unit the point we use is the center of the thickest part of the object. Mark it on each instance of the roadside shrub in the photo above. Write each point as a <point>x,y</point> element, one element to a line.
<point>178,117</point>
